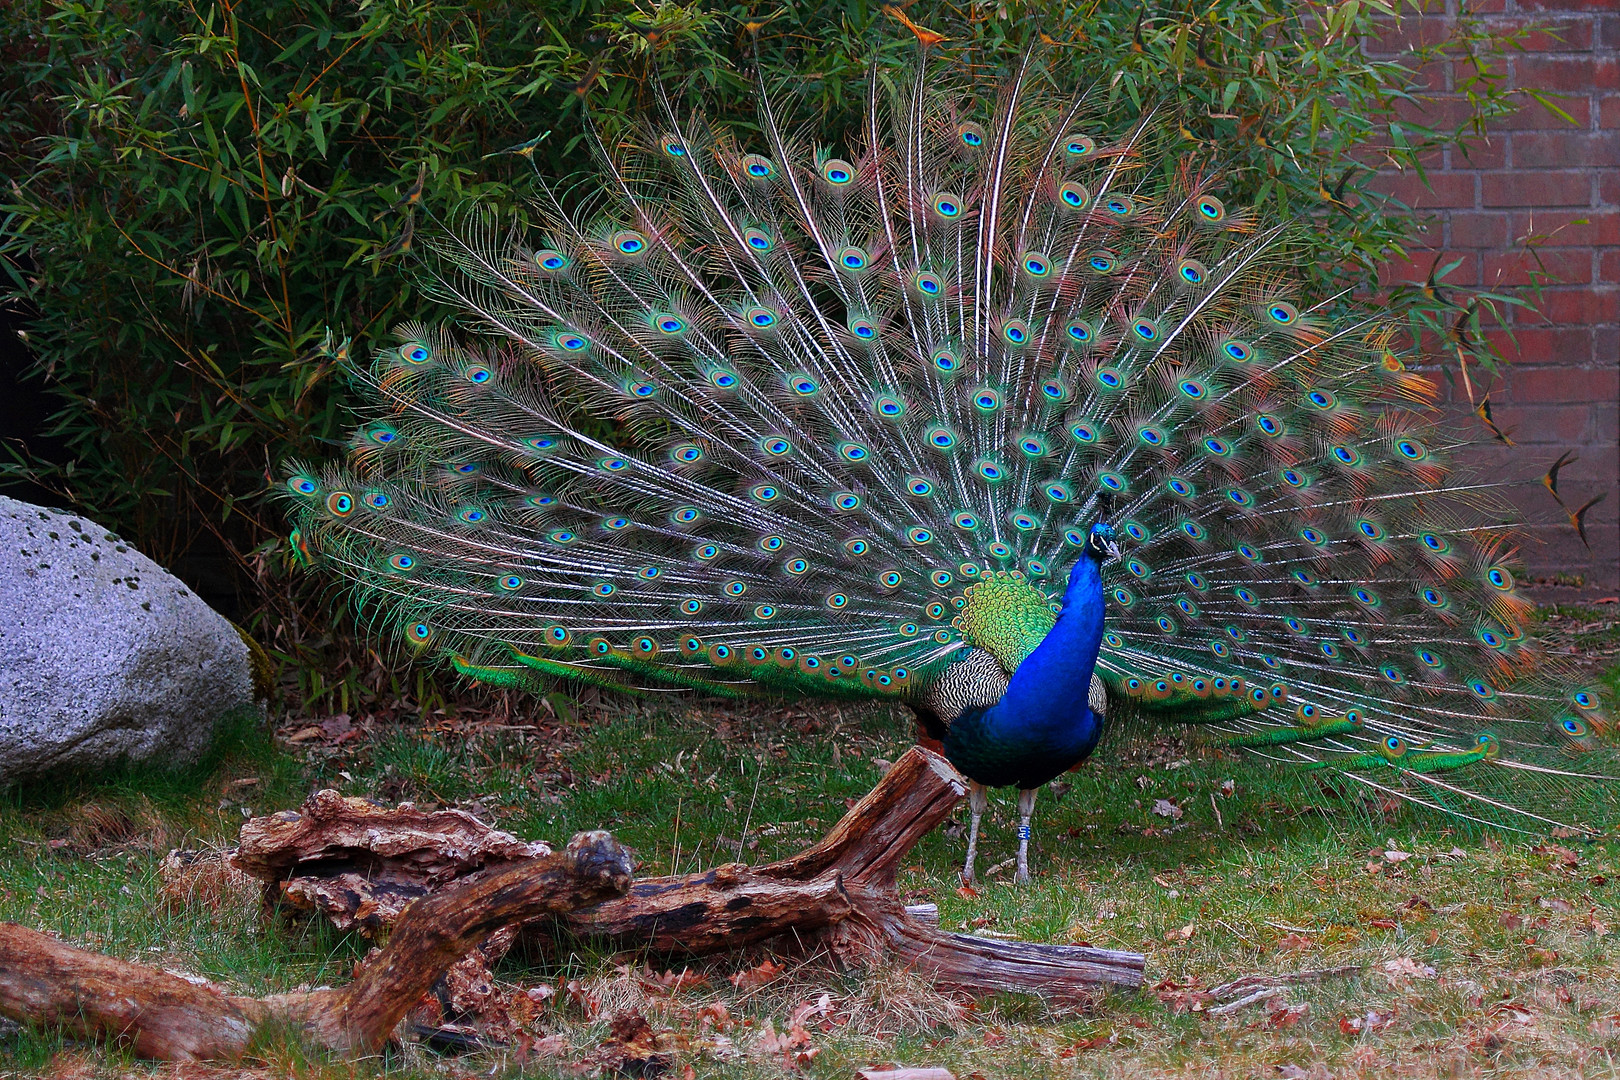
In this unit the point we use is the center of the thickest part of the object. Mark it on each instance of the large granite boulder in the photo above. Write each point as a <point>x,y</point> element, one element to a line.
<point>104,655</point>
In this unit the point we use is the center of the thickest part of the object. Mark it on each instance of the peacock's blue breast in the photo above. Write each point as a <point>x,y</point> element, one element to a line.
<point>986,752</point>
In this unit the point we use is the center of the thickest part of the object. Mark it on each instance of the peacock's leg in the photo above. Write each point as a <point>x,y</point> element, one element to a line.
<point>1026,809</point>
<point>978,799</point>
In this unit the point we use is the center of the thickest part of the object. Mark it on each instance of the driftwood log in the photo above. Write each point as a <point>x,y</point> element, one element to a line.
<point>356,860</point>
<point>360,862</point>
<point>449,884</point>
<point>169,1017</point>
<point>841,893</point>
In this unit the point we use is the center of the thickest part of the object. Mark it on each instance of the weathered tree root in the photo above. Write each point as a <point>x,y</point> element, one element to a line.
<point>839,893</point>
<point>164,1016</point>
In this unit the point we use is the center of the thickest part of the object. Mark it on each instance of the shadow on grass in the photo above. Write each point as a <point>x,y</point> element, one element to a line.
<point>242,741</point>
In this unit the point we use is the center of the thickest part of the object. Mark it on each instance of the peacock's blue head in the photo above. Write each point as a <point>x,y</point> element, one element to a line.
<point>1101,544</point>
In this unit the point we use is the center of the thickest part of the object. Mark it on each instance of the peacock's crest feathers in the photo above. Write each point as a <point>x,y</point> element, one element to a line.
<point>862,405</point>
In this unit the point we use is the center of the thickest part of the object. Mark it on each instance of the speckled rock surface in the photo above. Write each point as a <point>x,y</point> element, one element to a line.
<point>104,655</point>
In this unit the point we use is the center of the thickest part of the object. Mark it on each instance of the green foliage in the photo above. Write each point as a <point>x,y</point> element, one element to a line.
<point>197,194</point>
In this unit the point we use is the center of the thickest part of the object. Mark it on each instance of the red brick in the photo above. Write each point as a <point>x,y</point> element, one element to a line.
<point>1443,111</point>
<point>1605,343</point>
<point>1537,117</point>
<point>1536,189</point>
<point>1555,266</point>
<point>1608,31</point>
<point>1566,74</point>
<point>1609,111</point>
<point>1530,425</point>
<point>1564,149</point>
<point>1566,228</point>
<point>1474,229</point>
<point>1443,189</point>
<point>1490,153</point>
<point>1376,156</point>
<point>1609,267</point>
<point>1412,32</point>
<point>1579,307</point>
<point>1608,187</point>
<point>1557,5</point>
<point>1563,385</point>
<point>1543,344</point>
<point>1551,33</point>
<point>1418,266</point>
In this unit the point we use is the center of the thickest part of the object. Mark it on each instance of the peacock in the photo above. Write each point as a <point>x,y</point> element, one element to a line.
<point>1000,411</point>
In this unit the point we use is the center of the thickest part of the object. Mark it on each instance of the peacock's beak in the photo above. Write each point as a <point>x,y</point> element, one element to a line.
<point>1112,547</point>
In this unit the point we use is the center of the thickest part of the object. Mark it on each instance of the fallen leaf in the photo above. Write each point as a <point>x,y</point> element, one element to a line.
<point>967,892</point>
<point>671,982</point>
<point>1183,997</point>
<point>1397,856</point>
<point>1564,855</point>
<point>1510,921</point>
<point>1553,903</point>
<point>1108,1039</point>
<point>714,1015</point>
<point>1372,1020</point>
<point>994,1038</point>
<point>1295,943</point>
<point>756,976</point>
<point>1288,1016</point>
<point>1166,809</point>
<point>1406,967</point>
<point>582,999</point>
<point>1184,934</point>
<point>525,1046</point>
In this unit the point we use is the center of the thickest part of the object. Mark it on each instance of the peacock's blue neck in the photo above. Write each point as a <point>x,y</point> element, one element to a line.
<point>1042,725</point>
<point>1048,691</point>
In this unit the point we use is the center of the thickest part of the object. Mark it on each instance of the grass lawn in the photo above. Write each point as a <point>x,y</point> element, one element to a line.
<point>1470,953</point>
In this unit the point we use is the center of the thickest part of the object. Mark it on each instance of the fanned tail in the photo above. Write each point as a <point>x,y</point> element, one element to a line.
<point>780,418</point>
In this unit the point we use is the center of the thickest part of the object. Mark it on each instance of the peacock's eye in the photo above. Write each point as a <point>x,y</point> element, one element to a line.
<point>853,258</point>
<point>1079,146</point>
<point>838,173</point>
<point>629,242</point>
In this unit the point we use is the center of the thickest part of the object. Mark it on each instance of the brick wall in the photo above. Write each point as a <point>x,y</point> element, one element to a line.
<point>1538,175</point>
